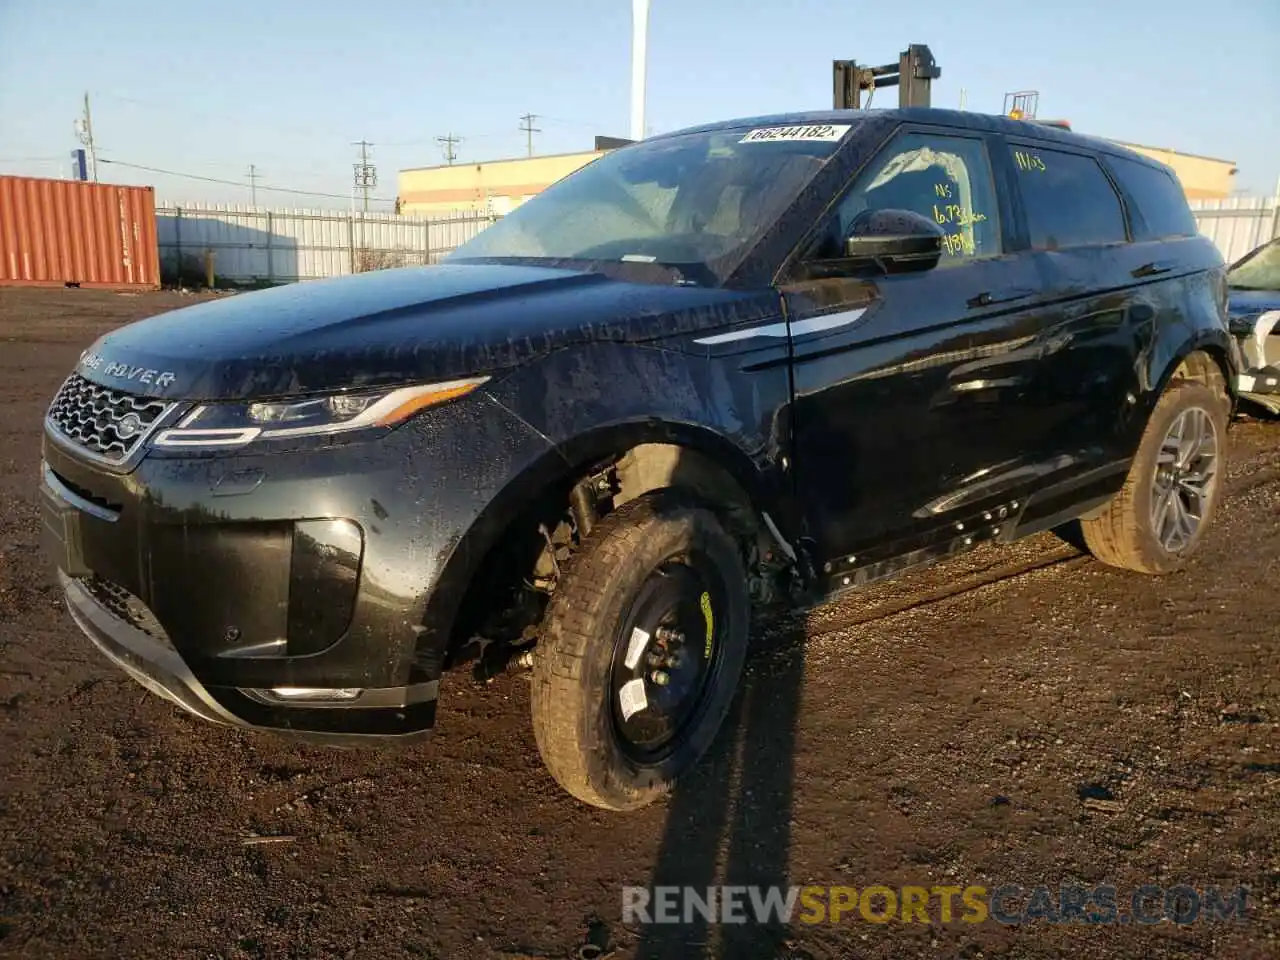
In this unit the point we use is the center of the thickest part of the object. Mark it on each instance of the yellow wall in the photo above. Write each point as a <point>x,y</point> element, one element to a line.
<point>497,185</point>
<point>1203,178</point>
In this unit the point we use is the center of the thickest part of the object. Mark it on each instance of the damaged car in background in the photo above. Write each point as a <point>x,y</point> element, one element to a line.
<point>1254,285</point>
<point>740,367</point>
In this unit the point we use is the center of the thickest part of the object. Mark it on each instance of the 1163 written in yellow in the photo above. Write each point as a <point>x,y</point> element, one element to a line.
<point>1029,161</point>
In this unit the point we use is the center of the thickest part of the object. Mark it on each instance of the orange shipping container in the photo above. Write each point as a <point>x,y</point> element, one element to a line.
<point>56,232</point>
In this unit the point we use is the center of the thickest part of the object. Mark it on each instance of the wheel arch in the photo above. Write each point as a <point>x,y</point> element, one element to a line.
<point>1207,357</point>
<point>647,455</point>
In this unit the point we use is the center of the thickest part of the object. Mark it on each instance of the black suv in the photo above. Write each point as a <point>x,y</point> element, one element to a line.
<point>753,363</point>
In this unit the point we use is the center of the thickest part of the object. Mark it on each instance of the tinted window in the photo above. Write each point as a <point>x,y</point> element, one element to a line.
<point>1068,199</point>
<point>1162,209</point>
<point>947,179</point>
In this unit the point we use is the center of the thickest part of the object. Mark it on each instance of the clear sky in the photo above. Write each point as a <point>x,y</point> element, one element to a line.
<point>209,88</point>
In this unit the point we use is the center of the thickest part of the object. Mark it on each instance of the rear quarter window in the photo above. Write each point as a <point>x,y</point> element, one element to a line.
<point>1068,199</point>
<point>1161,206</point>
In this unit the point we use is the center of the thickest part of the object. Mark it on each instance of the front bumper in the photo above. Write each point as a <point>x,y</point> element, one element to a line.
<point>1262,386</point>
<point>309,591</point>
<point>1259,339</point>
<point>156,665</point>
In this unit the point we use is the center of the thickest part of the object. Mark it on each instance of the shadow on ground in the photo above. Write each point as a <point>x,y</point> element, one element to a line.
<point>729,820</point>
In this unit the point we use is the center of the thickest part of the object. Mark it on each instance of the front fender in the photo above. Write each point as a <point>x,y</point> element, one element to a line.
<point>587,405</point>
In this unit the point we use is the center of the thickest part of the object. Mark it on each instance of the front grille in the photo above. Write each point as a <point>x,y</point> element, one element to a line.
<point>109,424</point>
<point>123,605</point>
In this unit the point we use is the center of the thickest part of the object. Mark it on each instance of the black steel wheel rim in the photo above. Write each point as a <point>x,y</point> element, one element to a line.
<point>666,657</point>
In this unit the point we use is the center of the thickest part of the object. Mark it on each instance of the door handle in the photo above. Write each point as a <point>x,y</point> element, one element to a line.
<point>1150,270</point>
<point>987,299</point>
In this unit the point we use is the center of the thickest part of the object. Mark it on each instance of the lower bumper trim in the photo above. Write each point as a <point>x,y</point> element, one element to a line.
<point>346,698</point>
<point>152,664</point>
<point>1266,380</point>
<point>387,713</point>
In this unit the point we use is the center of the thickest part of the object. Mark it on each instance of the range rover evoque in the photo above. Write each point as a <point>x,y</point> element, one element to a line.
<point>752,363</point>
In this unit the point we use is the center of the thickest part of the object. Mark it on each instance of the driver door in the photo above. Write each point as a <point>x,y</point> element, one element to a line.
<point>916,404</point>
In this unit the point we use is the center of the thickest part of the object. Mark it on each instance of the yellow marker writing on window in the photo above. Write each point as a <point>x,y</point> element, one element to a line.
<point>1029,161</point>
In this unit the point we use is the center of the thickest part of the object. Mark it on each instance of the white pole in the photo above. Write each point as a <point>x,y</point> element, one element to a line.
<point>639,38</point>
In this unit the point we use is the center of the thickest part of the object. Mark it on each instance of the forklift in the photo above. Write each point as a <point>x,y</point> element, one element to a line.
<point>912,74</point>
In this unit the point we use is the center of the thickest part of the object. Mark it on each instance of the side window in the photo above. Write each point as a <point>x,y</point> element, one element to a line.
<point>944,178</point>
<point>1068,199</point>
<point>1162,205</point>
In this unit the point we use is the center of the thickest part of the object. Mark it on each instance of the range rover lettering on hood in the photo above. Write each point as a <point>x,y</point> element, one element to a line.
<point>124,371</point>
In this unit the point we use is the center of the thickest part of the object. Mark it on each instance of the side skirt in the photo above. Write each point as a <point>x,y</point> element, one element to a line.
<point>1002,523</point>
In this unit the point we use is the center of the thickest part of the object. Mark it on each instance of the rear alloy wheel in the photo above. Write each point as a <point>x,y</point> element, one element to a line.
<point>640,653</point>
<point>1168,501</point>
<point>1186,479</point>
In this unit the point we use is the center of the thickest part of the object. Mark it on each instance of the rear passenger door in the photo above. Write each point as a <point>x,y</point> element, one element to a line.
<point>1099,322</point>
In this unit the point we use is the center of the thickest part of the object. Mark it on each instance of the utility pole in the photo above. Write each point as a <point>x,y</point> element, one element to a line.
<point>366,174</point>
<point>529,129</point>
<point>447,143</point>
<point>253,184</point>
<point>639,63</point>
<point>84,132</point>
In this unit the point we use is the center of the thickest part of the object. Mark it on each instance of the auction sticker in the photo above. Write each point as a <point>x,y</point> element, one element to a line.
<point>631,698</point>
<point>828,132</point>
<point>639,640</point>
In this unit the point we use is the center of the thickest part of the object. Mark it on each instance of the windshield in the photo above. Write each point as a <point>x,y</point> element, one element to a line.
<point>696,202</point>
<point>1260,270</point>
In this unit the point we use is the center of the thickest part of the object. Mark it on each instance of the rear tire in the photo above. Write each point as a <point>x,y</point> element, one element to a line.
<point>1157,520</point>
<point>593,665</point>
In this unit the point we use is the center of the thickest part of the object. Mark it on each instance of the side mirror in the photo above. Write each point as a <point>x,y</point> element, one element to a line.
<point>897,241</point>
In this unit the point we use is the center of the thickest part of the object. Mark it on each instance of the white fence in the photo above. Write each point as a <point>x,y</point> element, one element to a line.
<point>1238,224</point>
<point>264,245</point>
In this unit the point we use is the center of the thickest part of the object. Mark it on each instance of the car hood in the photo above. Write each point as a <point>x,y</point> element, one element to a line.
<point>1245,302</point>
<point>390,327</point>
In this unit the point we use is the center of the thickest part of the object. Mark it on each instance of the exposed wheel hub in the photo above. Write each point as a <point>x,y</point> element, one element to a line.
<point>664,659</point>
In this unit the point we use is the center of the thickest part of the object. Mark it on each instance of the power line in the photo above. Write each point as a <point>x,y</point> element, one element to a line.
<point>253,184</point>
<point>527,126</point>
<point>234,183</point>
<point>447,143</point>
<point>573,123</point>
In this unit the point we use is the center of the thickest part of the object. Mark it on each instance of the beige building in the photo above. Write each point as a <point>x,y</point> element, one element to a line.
<point>1203,178</point>
<point>495,186</point>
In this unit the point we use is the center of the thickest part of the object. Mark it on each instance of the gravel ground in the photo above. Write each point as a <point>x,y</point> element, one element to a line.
<point>1021,715</point>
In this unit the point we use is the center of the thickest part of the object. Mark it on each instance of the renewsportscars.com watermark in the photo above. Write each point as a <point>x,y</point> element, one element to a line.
<point>1008,904</point>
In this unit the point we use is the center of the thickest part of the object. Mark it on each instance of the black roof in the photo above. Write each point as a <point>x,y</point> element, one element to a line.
<point>955,118</point>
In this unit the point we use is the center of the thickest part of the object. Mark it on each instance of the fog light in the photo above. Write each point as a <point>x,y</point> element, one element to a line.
<point>314,694</point>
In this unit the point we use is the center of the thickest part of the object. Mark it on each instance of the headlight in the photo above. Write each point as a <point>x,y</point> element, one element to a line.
<point>236,424</point>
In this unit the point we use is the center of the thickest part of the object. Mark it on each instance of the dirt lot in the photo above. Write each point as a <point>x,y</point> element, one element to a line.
<point>1021,716</point>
